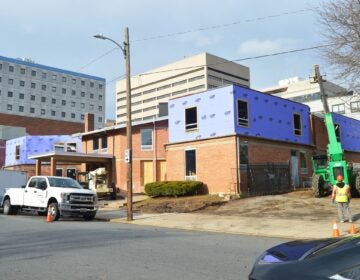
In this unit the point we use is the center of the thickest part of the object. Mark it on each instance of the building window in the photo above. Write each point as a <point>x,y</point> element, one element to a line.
<point>191,119</point>
<point>63,102</point>
<point>11,68</point>
<point>73,92</point>
<point>53,89</point>
<point>242,113</point>
<point>196,78</point>
<point>73,115</point>
<point>91,95</point>
<point>82,105</point>
<point>100,120</point>
<point>53,113</point>
<point>91,107</point>
<point>91,84</point>
<point>22,71</point>
<point>303,163</point>
<point>59,172</point>
<point>73,81</point>
<point>59,147</point>
<point>21,96</point>
<point>190,165</point>
<point>22,83</point>
<point>83,94</point>
<point>54,77</point>
<point>63,114</point>
<point>100,86</point>
<point>43,75</point>
<point>9,107</point>
<point>17,152</point>
<point>64,79</point>
<point>43,112</point>
<point>11,81</point>
<point>71,147</point>
<point>179,83</point>
<point>32,110</point>
<point>63,90</point>
<point>0,66</point>
<point>95,143</point>
<point>33,85</point>
<point>53,101</point>
<point>355,106</point>
<point>10,94</point>
<point>43,99</point>
<point>32,97</point>
<point>196,88</point>
<point>100,108</point>
<point>100,97</point>
<point>146,139</point>
<point>83,83</point>
<point>43,87</point>
<point>104,142</point>
<point>82,117</point>
<point>297,124</point>
<point>338,108</point>
<point>33,73</point>
<point>21,109</point>
<point>243,152</point>
<point>73,103</point>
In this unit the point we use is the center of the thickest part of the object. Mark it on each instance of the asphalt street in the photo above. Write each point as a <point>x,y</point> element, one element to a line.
<point>74,249</point>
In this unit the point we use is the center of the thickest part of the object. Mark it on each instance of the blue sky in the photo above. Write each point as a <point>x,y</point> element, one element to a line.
<point>59,34</point>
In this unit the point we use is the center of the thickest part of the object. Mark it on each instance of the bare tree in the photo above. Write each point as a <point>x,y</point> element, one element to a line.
<point>340,28</point>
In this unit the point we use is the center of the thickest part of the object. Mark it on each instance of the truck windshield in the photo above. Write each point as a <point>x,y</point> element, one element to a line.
<point>64,183</point>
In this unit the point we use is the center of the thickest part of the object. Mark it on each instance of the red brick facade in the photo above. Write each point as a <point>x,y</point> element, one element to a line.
<point>39,126</point>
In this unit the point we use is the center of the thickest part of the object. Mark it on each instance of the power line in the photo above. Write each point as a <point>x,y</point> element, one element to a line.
<point>239,59</point>
<point>220,25</point>
<point>199,29</point>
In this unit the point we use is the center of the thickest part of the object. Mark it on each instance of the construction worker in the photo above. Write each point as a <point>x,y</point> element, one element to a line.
<point>341,194</point>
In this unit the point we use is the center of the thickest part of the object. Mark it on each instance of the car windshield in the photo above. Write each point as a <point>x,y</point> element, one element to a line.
<point>340,245</point>
<point>64,183</point>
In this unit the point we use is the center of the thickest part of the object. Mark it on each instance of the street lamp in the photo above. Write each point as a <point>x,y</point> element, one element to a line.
<point>128,153</point>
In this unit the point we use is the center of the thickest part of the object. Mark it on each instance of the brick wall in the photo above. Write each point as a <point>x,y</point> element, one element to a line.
<point>39,126</point>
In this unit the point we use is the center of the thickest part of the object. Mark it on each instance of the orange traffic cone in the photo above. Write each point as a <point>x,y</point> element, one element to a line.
<point>49,218</point>
<point>335,232</point>
<point>353,229</point>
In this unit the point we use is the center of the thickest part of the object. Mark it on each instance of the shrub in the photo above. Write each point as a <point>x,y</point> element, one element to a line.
<point>173,188</point>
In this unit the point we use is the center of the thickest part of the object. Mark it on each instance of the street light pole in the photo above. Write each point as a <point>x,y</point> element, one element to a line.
<point>128,152</point>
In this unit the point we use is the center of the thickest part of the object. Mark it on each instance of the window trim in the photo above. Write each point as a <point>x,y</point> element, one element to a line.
<point>190,127</point>
<point>191,177</point>
<point>146,147</point>
<point>297,131</point>
<point>246,122</point>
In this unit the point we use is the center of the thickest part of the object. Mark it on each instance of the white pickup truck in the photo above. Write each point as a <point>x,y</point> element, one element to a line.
<point>59,196</point>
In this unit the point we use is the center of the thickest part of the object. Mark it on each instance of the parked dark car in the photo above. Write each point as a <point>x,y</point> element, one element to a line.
<point>332,258</point>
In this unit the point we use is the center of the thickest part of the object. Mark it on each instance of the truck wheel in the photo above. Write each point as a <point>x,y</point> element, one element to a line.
<point>318,185</point>
<point>9,209</point>
<point>89,216</point>
<point>53,209</point>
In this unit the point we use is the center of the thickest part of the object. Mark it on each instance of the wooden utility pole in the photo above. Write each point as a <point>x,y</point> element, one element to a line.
<point>318,79</point>
<point>128,152</point>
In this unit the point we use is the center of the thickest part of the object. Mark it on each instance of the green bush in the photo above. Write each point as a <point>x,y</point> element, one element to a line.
<point>173,188</point>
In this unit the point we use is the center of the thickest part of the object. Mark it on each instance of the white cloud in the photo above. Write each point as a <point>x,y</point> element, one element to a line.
<point>257,47</point>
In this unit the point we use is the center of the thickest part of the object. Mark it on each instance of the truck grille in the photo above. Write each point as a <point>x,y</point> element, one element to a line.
<point>81,198</point>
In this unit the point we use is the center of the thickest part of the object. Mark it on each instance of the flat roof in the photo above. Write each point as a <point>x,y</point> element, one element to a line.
<point>72,157</point>
<point>49,68</point>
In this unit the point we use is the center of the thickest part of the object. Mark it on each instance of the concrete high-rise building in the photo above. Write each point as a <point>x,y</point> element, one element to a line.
<point>28,89</point>
<point>307,92</point>
<point>187,76</point>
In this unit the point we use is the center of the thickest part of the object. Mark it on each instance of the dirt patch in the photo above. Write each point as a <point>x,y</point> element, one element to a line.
<point>178,205</point>
<point>299,204</point>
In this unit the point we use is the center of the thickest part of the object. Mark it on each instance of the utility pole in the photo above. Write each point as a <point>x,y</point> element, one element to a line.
<point>128,127</point>
<point>125,48</point>
<point>318,79</point>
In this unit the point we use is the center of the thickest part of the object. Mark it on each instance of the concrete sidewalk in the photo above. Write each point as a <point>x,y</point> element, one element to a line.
<point>279,227</point>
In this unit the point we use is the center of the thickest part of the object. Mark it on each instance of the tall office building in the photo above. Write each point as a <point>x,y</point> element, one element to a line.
<point>28,89</point>
<point>307,92</point>
<point>187,76</point>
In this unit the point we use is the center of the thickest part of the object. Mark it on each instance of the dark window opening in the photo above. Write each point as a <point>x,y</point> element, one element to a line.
<point>243,113</point>
<point>297,124</point>
<point>191,119</point>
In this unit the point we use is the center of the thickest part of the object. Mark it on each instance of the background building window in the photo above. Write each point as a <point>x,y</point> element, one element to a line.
<point>146,138</point>
<point>17,152</point>
<point>242,113</point>
<point>297,124</point>
<point>190,165</point>
<point>355,106</point>
<point>303,163</point>
<point>191,119</point>
<point>104,142</point>
<point>95,143</point>
<point>338,108</point>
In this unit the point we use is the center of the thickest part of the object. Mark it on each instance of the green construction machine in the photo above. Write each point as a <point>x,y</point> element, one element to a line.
<point>327,167</point>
